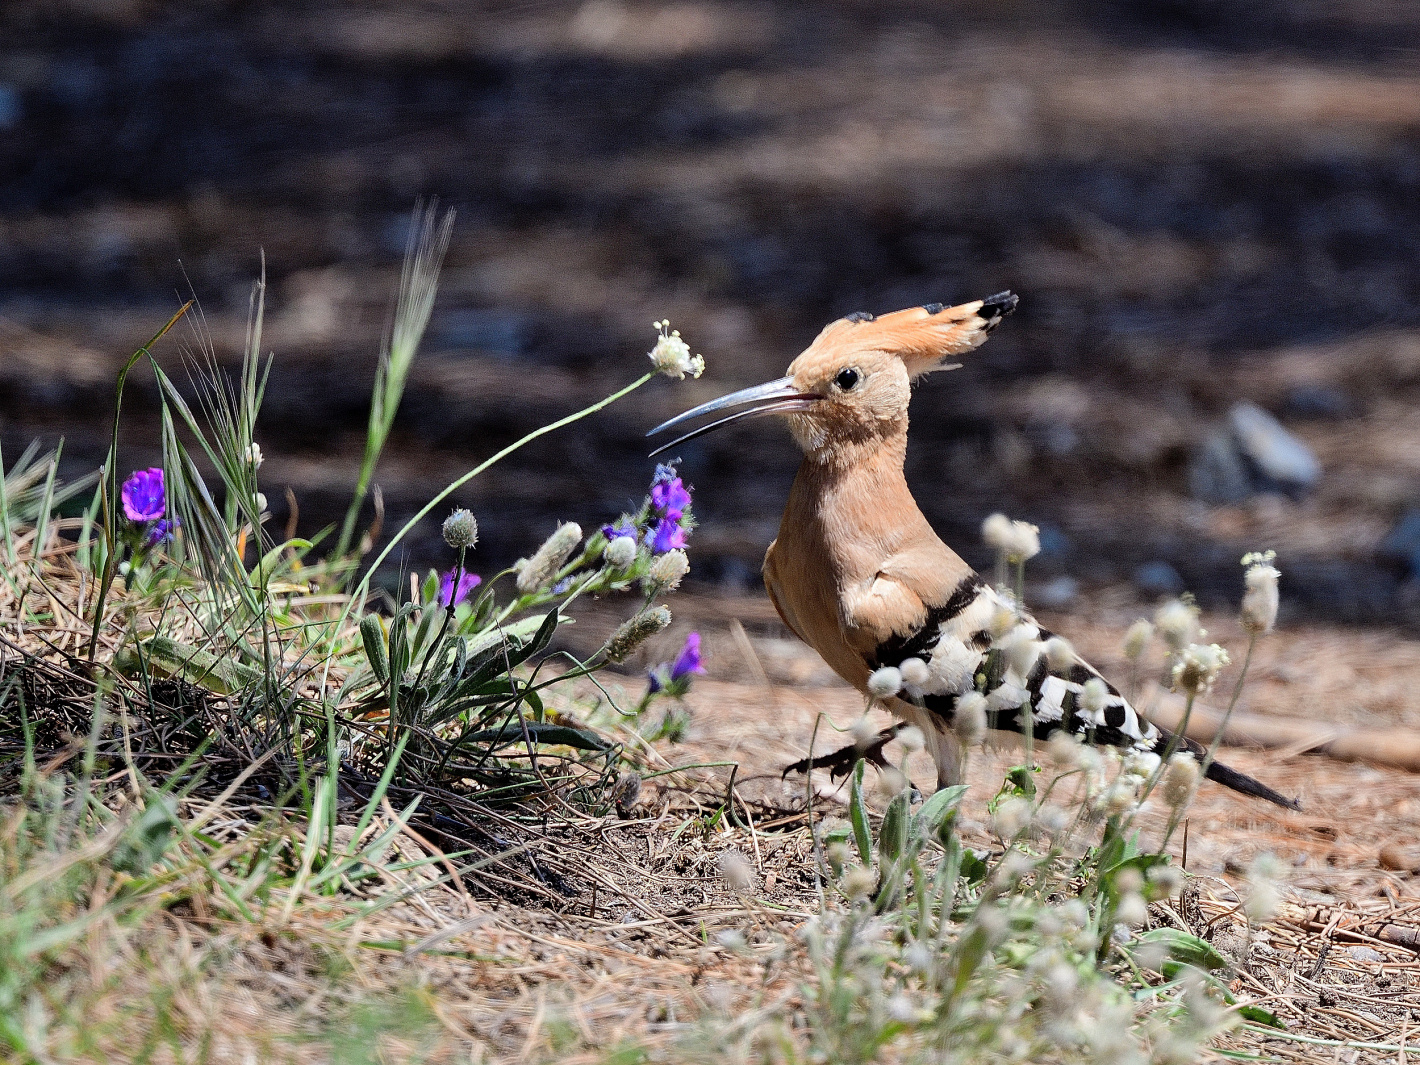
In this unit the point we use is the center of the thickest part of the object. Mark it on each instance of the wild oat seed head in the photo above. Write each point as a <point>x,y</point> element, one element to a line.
<point>969,718</point>
<point>671,355</point>
<point>461,529</point>
<point>1177,623</point>
<point>633,632</point>
<point>670,569</point>
<point>1137,638</point>
<point>1180,779</point>
<point>538,572</point>
<point>1198,667</point>
<point>1059,655</point>
<point>1260,598</point>
<point>620,552</point>
<point>253,455</point>
<point>914,671</point>
<point>912,739</point>
<point>885,682</point>
<point>1095,695</point>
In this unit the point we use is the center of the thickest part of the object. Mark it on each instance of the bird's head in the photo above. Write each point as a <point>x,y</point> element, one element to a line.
<point>853,383</point>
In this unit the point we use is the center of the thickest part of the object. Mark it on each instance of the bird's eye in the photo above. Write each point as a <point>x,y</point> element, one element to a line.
<point>847,379</point>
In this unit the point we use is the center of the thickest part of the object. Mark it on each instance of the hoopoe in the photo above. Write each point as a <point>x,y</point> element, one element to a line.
<point>858,574</point>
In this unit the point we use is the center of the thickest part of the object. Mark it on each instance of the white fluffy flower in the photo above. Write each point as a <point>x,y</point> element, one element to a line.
<point>671,355</point>
<point>885,682</point>
<point>969,718</point>
<point>914,672</point>
<point>1198,667</point>
<point>1259,605</point>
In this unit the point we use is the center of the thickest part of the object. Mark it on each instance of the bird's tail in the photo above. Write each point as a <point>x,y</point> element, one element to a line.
<point>1224,774</point>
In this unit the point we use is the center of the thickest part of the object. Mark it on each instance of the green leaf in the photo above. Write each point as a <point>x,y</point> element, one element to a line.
<point>373,635</point>
<point>858,815</point>
<point>1187,949</point>
<point>1258,1015</point>
<point>934,811</point>
<point>892,837</point>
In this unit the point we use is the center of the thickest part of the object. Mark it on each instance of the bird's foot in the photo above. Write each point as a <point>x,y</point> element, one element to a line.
<point>841,762</point>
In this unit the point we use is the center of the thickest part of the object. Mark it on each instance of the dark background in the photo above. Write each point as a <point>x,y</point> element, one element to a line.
<point>1199,203</point>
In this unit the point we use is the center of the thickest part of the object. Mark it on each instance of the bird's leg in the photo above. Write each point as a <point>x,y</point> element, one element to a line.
<point>841,762</point>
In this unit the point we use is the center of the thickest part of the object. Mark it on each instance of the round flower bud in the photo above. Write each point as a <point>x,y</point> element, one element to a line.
<point>1177,623</point>
<point>1137,638</point>
<point>669,569</point>
<point>1198,667</point>
<point>1180,778</point>
<point>620,552</point>
<point>461,529</point>
<point>969,718</point>
<point>911,739</point>
<point>915,672</point>
<point>1259,605</point>
<point>885,682</point>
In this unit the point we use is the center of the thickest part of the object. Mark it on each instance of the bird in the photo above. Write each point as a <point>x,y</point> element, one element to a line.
<point>858,573</point>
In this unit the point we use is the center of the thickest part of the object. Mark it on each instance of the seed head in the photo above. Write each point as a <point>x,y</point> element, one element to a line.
<point>1180,778</point>
<point>620,552</point>
<point>911,739</point>
<point>671,355</point>
<point>914,671</point>
<point>669,569</point>
<point>633,632</point>
<point>885,682</point>
<point>969,718</point>
<point>1198,667</point>
<point>538,572</point>
<point>461,529</point>
<point>1018,541</point>
<point>1137,638</point>
<point>736,870</point>
<point>1177,623</point>
<point>1059,655</point>
<point>1259,605</point>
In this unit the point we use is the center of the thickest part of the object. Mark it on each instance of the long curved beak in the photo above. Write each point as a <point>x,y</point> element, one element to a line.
<point>774,397</point>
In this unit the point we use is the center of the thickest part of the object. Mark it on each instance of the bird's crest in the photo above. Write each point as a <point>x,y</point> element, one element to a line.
<point>923,337</point>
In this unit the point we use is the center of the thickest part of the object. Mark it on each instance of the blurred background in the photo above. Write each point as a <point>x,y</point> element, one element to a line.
<point>1210,210</point>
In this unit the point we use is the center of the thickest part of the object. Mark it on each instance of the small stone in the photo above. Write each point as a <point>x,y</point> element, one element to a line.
<point>1158,578</point>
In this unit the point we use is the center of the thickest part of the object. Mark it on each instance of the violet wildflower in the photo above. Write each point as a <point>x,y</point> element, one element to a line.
<point>448,596</point>
<point>669,495</point>
<point>161,530</point>
<point>674,677</point>
<point>143,495</point>
<point>666,536</point>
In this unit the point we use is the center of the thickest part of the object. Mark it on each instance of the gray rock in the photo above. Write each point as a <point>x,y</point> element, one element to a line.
<point>1276,453</point>
<point>1253,453</point>
<point>1158,578</point>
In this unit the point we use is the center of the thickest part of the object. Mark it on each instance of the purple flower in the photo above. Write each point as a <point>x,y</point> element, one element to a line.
<point>161,530</point>
<point>688,661</point>
<point>676,674</point>
<point>467,583</point>
<point>612,532</point>
<point>669,494</point>
<point>142,495</point>
<point>666,536</point>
